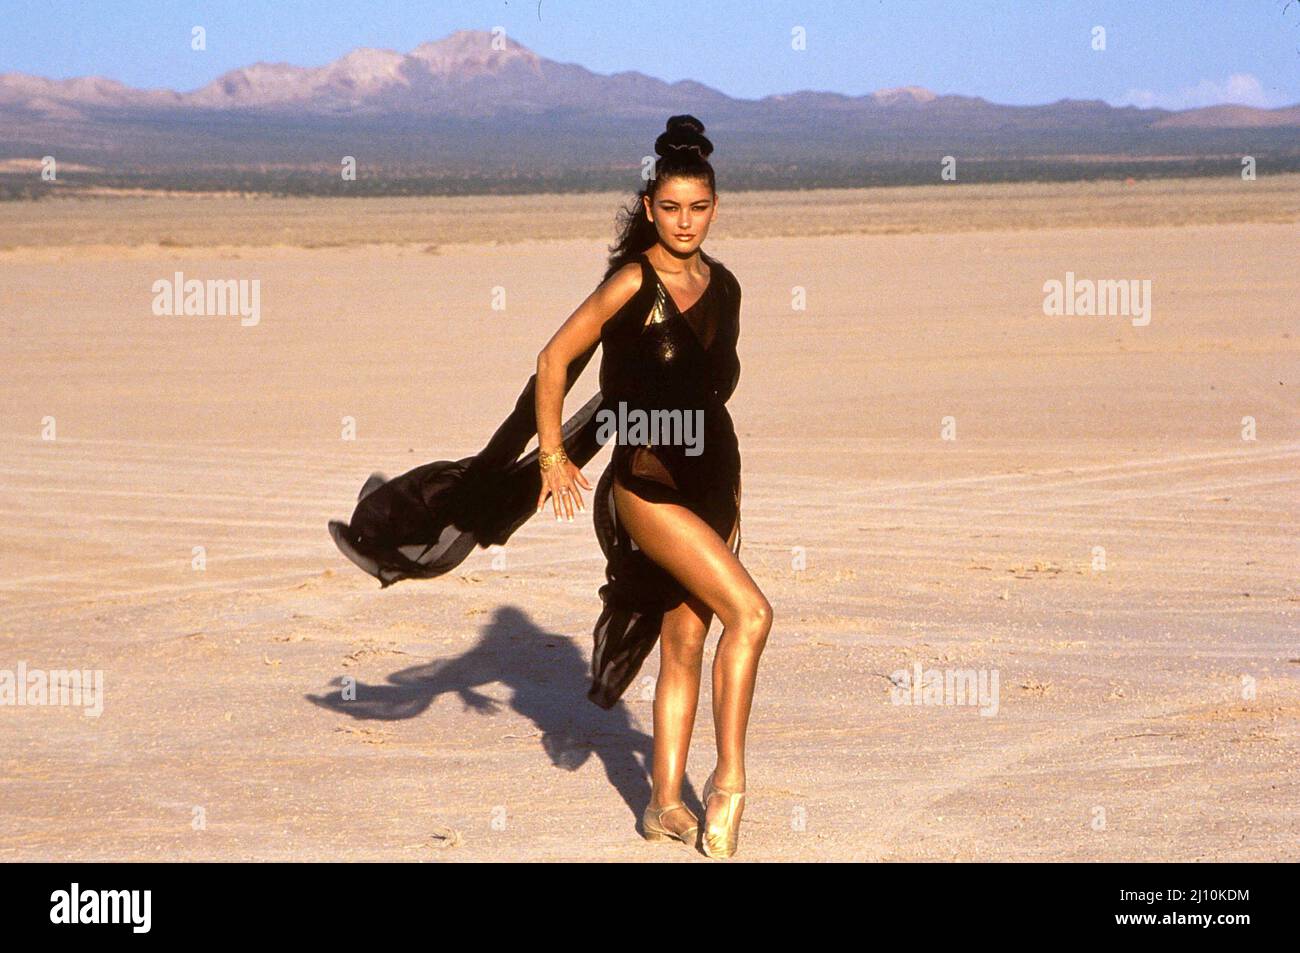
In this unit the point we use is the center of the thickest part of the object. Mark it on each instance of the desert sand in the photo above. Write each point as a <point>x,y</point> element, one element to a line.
<point>1100,535</point>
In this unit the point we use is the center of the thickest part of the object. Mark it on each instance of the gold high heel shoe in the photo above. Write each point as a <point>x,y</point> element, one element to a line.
<point>722,841</point>
<point>652,822</point>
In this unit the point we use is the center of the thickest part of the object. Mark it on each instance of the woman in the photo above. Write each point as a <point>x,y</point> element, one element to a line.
<point>667,510</point>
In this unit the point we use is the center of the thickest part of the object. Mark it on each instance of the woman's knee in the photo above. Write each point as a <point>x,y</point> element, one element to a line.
<point>751,618</point>
<point>761,615</point>
<point>683,636</point>
<point>688,652</point>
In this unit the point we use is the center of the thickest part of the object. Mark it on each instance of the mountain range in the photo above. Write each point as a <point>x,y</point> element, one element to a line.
<point>474,106</point>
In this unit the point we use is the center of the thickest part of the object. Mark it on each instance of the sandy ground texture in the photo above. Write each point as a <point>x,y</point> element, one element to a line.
<point>1109,539</point>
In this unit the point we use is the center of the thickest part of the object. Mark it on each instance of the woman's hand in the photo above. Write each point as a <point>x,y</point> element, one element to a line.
<point>560,482</point>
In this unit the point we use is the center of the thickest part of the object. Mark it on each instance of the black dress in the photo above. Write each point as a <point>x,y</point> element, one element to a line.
<point>654,358</point>
<point>658,358</point>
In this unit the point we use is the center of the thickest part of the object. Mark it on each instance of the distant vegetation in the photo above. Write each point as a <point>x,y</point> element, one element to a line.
<point>805,175</point>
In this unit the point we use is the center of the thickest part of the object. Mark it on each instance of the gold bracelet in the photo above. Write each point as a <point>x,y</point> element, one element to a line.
<point>548,460</point>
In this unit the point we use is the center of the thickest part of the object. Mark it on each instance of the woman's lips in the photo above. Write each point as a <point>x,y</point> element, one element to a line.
<point>684,238</point>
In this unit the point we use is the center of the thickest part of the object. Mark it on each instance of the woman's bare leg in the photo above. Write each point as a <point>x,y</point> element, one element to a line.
<point>689,549</point>
<point>677,694</point>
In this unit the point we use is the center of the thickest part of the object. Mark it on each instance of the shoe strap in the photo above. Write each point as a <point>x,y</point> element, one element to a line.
<point>714,789</point>
<point>659,812</point>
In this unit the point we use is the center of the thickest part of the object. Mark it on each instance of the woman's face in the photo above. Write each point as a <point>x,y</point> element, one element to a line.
<point>682,210</point>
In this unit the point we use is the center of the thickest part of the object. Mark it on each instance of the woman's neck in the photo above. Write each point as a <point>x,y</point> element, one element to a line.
<point>669,262</point>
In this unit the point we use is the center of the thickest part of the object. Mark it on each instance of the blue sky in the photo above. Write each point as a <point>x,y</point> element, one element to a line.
<point>1171,53</point>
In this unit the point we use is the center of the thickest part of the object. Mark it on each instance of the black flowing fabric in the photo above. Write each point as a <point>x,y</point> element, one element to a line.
<point>655,359</point>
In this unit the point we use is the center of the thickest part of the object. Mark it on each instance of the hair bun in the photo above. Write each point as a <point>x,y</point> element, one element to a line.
<point>685,121</point>
<point>683,138</point>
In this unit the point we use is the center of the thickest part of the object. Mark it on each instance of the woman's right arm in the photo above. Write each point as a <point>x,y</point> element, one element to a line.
<point>575,336</point>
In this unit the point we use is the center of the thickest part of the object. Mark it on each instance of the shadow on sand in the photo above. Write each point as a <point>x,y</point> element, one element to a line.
<point>548,678</point>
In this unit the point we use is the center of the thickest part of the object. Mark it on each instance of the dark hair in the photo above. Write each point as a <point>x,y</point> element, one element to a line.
<point>683,152</point>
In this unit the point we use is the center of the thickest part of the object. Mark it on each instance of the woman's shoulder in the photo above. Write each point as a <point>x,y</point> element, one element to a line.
<point>717,263</point>
<point>622,285</point>
<point>729,280</point>
<point>626,280</point>
<point>622,293</point>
